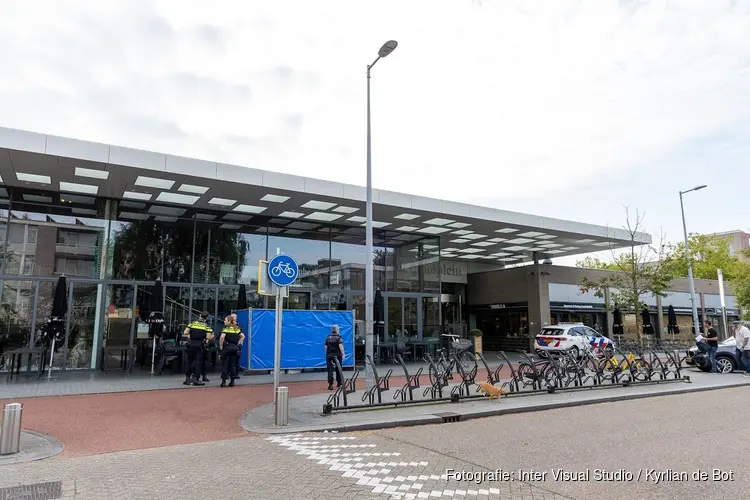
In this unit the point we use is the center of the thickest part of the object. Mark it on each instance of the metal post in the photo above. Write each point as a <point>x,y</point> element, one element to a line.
<point>369,282</point>
<point>10,429</point>
<point>281,413</point>
<point>723,303</point>
<point>277,341</point>
<point>696,324</point>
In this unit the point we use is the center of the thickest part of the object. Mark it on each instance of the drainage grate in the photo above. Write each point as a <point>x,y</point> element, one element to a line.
<point>36,491</point>
<point>449,417</point>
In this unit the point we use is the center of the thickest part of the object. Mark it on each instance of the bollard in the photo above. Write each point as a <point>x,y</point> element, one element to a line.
<point>10,429</point>
<point>281,415</point>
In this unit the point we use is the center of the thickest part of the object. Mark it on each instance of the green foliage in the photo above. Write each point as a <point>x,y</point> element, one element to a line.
<point>636,272</point>
<point>596,263</point>
<point>708,253</point>
<point>475,332</point>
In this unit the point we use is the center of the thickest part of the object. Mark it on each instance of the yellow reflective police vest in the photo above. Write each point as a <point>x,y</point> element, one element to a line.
<point>231,335</point>
<point>198,331</point>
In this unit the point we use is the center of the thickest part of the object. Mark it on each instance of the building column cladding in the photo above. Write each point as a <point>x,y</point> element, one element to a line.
<point>610,318</point>
<point>539,308</point>
<point>659,317</point>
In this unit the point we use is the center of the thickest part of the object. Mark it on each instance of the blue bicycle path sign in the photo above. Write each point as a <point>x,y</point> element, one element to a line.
<point>283,270</point>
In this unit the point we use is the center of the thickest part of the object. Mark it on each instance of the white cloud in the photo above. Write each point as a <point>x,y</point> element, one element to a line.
<point>496,101</point>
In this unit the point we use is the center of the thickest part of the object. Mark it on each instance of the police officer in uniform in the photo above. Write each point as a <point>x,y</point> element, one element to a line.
<point>239,348</point>
<point>229,342</point>
<point>198,333</point>
<point>334,350</point>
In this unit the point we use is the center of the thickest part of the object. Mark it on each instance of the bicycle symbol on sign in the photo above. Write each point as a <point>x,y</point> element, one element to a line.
<point>282,267</point>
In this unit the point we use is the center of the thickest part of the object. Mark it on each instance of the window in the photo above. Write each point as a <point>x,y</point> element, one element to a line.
<point>31,236</point>
<point>28,265</point>
<point>313,256</point>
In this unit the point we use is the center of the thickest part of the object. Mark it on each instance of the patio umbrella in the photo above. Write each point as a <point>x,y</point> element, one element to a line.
<point>56,323</point>
<point>672,321</point>
<point>242,298</point>
<point>378,311</point>
<point>156,317</point>
<point>617,328</point>
<point>648,329</point>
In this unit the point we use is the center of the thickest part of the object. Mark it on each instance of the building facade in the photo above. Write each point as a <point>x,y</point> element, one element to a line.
<point>739,242</point>
<point>511,305</point>
<point>112,220</point>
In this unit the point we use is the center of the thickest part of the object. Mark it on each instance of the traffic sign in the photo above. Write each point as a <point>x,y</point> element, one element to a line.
<point>283,270</point>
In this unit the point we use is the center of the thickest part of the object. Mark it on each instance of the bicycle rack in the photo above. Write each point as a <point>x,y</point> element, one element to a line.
<point>381,384</point>
<point>535,376</point>
<point>412,381</point>
<point>438,379</point>
<point>467,378</point>
<point>348,386</point>
<point>513,382</point>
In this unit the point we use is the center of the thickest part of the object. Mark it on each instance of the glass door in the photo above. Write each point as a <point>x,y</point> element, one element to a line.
<point>81,326</point>
<point>176,310</point>
<point>394,318</point>
<point>411,329</point>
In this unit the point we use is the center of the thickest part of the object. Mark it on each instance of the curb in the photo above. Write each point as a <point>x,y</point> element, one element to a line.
<point>52,449</point>
<point>436,419</point>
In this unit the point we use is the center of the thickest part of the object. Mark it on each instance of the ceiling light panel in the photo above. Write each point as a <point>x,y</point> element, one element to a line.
<point>433,230</point>
<point>345,210</point>
<point>38,179</point>
<point>471,250</point>
<point>462,231</point>
<point>406,216</point>
<point>291,215</point>
<point>161,210</point>
<point>450,250</point>
<point>520,241</point>
<point>91,173</point>
<point>165,218</point>
<point>79,188</point>
<point>474,236</point>
<point>222,202</point>
<point>531,234</point>
<point>546,237</point>
<point>483,244</point>
<point>318,205</point>
<point>378,224</point>
<point>323,216</point>
<point>205,216</point>
<point>470,257</point>
<point>437,221</point>
<point>568,249</point>
<point>506,230</point>
<point>191,188</point>
<point>237,217</point>
<point>132,204</point>
<point>497,240</point>
<point>459,225</point>
<point>407,229</point>
<point>555,251</point>
<point>153,182</point>
<point>516,249</point>
<point>230,226</point>
<point>357,218</point>
<point>459,241</point>
<point>602,244</point>
<point>275,198</point>
<point>585,241</point>
<point>550,245</point>
<point>501,254</point>
<point>249,209</point>
<point>307,226</point>
<point>182,199</point>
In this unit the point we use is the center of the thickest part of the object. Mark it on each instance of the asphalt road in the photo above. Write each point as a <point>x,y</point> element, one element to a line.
<point>673,435</point>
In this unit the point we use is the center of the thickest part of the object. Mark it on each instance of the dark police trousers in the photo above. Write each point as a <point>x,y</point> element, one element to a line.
<point>194,358</point>
<point>332,368</point>
<point>229,362</point>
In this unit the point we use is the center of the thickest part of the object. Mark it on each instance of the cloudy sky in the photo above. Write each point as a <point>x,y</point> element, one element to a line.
<point>570,109</point>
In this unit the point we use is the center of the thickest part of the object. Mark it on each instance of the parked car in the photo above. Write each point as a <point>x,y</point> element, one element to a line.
<point>726,357</point>
<point>572,337</point>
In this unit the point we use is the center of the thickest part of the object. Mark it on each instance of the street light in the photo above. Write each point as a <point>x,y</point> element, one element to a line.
<point>384,51</point>
<point>696,324</point>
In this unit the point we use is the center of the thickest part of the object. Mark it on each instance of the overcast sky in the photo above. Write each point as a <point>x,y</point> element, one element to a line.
<point>568,109</point>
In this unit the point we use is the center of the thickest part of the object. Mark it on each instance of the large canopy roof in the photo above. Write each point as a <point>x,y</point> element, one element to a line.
<point>165,186</point>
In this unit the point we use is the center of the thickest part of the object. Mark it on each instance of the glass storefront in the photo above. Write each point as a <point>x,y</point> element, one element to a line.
<point>111,252</point>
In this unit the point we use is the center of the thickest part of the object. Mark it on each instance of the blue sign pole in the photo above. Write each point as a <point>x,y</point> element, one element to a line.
<point>282,271</point>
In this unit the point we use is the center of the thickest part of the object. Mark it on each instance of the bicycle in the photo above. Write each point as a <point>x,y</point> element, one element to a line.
<point>283,267</point>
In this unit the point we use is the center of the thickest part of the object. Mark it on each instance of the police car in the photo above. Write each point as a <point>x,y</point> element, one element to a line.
<point>573,337</point>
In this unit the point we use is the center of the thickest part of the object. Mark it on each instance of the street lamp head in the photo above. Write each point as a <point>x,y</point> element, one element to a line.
<point>699,187</point>
<point>387,48</point>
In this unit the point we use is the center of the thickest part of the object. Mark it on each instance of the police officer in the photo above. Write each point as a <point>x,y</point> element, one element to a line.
<point>239,347</point>
<point>334,350</point>
<point>229,342</point>
<point>198,333</point>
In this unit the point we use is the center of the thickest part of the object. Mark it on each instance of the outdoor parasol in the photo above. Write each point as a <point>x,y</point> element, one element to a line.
<point>56,323</point>
<point>672,321</point>
<point>156,318</point>
<point>648,329</point>
<point>617,328</point>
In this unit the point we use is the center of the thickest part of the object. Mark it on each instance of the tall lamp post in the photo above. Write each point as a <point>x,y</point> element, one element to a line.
<point>384,51</point>
<point>696,324</point>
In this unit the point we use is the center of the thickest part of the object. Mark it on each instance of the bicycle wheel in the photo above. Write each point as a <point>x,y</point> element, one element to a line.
<point>433,375</point>
<point>526,374</point>
<point>468,360</point>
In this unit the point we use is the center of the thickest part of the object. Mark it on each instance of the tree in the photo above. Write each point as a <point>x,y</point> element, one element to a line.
<point>708,253</point>
<point>596,263</point>
<point>637,272</point>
